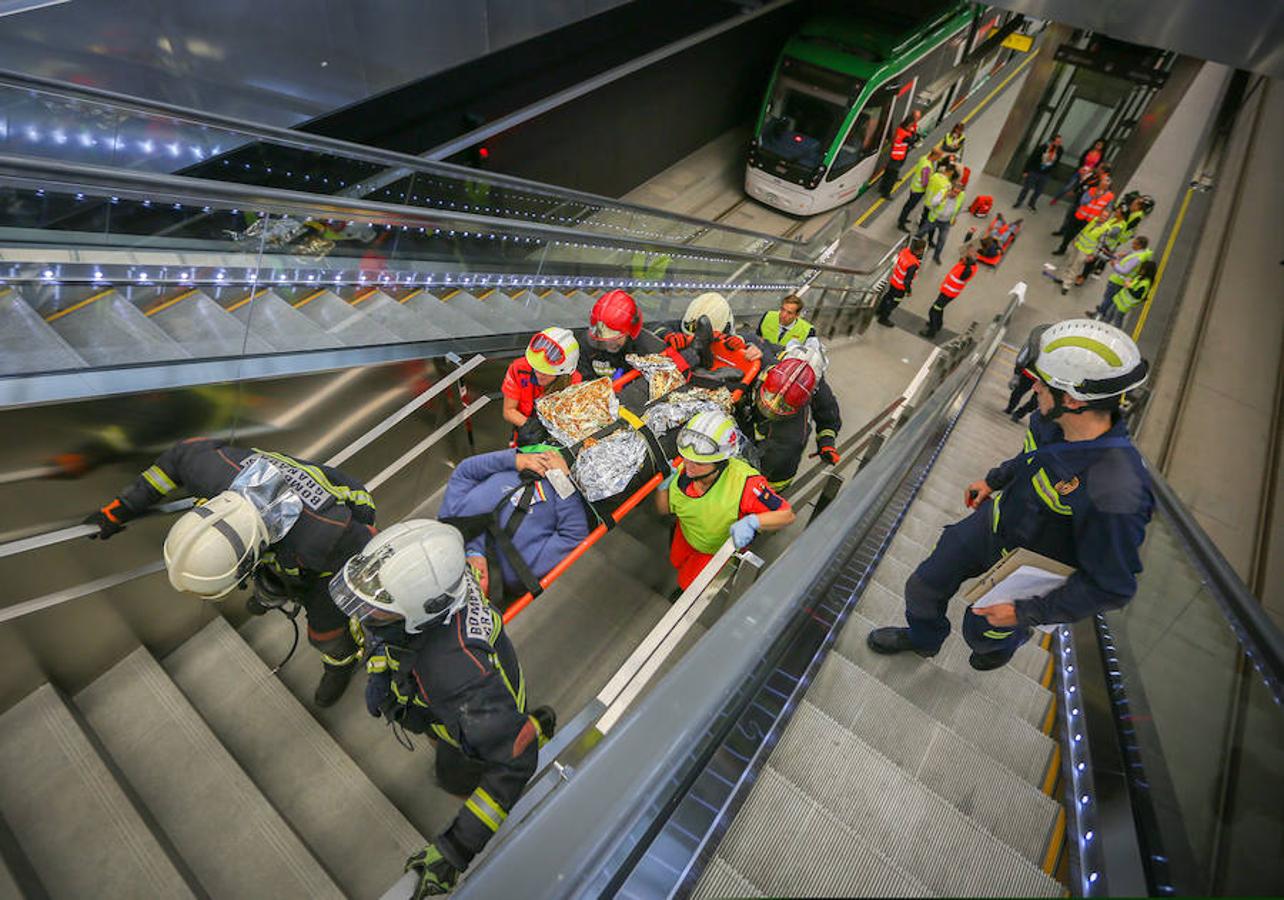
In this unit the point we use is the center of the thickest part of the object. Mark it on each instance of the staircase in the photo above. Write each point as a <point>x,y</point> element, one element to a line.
<point>903,776</point>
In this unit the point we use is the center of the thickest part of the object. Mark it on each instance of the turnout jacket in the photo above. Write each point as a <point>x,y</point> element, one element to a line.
<point>1085,503</point>
<point>338,513</point>
<point>779,443</point>
<point>596,362</point>
<point>460,682</point>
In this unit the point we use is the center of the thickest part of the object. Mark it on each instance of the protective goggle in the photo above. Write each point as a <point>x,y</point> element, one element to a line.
<point>549,348</point>
<point>696,444</point>
<point>602,332</point>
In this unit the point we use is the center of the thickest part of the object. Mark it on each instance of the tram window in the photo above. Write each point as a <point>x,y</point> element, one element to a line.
<point>800,126</point>
<point>866,134</point>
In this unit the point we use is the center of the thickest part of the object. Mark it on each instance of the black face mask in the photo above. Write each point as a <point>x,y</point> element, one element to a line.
<point>684,480</point>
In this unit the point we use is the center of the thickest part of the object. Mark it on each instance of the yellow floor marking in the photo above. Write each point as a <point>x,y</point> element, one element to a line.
<point>81,305</point>
<point>168,303</point>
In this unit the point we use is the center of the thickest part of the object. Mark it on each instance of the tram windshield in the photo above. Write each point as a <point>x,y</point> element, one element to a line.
<point>807,108</point>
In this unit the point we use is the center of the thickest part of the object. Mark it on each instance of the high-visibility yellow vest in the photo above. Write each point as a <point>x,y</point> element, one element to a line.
<point>941,211</point>
<point>771,331</point>
<point>917,184</point>
<point>1140,256</point>
<point>1133,294</point>
<point>706,520</point>
<point>937,186</point>
<point>1089,238</point>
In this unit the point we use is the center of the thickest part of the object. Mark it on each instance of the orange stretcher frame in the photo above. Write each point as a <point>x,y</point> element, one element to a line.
<point>723,357</point>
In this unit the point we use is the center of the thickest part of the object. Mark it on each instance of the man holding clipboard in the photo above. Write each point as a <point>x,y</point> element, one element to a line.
<point>1078,493</point>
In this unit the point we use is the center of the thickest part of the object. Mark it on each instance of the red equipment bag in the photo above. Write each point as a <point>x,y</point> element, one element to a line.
<point>981,206</point>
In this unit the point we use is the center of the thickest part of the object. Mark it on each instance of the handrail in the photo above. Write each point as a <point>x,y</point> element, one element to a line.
<point>1261,638</point>
<point>46,174</point>
<point>592,820</point>
<point>365,153</point>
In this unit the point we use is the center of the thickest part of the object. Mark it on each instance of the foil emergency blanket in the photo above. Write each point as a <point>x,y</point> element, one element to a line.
<point>660,371</point>
<point>575,412</point>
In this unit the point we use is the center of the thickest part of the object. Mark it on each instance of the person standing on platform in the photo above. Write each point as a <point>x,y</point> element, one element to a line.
<point>900,284</point>
<point>953,142</point>
<point>951,287</point>
<point>1133,293</point>
<point>1123,268</point>
<point>919,180</point>
<point>1037,170</point>
<point>1078,492</point>
<point>902,140</point>
<point>1089,161</point>
<point>1094,201</point>
<point>1086,244</point>
<point>780,326</point>
<point>941,216</point>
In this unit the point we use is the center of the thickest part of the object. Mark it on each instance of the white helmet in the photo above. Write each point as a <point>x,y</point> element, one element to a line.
<point>415,570</point>
<point>810,351</point>
<point>1089,360</point>
<point>709,437</point>
<point>713,305</point>
<point>215,546</point>
<point>553,351</point>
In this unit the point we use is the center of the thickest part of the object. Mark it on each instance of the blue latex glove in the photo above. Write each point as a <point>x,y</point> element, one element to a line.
<point>745,530</point>
<point>673,473</point>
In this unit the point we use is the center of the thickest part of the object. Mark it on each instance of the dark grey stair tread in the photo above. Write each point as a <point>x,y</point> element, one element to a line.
<point>898,816</point>
<point>1009,804</point>
<point>72,819</point>
<point>177,766</point>
<point>332,804</point>
<point>789,845</point>
<point>947,696</point>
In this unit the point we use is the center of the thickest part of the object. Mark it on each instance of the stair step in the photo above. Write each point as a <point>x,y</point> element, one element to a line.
<point>789,845</point>
<point>28,343</point>
<point>204,329</point>
<point>1010,805</point>
<point>445,316</point>
<point>719,879</point>
<point>331,803</point>
<point>72,819</point>
<point>111,331</point>
<point>411,326</point>
<point>282,326</point>
<point>344,321</point>
<point>953,700</point>
<point>898,816</point>
<point>227,832</point>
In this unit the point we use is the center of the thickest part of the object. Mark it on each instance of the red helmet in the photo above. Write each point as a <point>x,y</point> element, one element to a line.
<point>615,313</point>
<point>786,388</point>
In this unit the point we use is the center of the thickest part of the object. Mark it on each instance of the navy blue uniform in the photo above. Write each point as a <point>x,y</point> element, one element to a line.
<point>1084,503</point>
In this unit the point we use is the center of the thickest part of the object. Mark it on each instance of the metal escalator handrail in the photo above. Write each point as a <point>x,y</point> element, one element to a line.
<point>1261,638</point>
<point>365,153</point>
<point>573,844</point>
<point>44,174</point>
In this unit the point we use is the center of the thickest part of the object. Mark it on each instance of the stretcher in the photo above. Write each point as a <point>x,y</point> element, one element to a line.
<point>725,360</point>
<point>998,237</point>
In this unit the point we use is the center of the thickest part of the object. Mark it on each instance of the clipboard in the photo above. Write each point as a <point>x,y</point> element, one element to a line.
<point>1023,571</point>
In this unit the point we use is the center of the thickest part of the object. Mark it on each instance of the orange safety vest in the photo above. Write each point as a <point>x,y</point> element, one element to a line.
<point>900,143</point>
<point>1096,206</point>
<point>904,260</point>
<point>954,282</point>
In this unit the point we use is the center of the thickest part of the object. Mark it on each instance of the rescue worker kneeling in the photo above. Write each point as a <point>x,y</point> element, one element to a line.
<point>286,523</point>
<point>1077,492</point>
<point>441,665</point>
<point>715,495</point>
<point>777,416</point>
<point>517,525</point>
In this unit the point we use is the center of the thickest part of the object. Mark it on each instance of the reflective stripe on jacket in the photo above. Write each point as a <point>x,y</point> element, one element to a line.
<point>906,261</point>
<point>957,279</point>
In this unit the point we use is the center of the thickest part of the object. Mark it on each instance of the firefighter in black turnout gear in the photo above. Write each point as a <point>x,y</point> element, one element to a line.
<point>440,665</point>
<point>285,524</point>
<point>777,417</point>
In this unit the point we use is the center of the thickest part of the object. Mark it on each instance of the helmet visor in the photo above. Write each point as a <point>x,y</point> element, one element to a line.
<point>603,332</point>
<point>783,403</point>
<point>551,350</point>
<point>698,447</point>
<point>357,589</point>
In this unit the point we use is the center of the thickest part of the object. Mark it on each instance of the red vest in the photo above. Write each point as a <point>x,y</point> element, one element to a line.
<point>954,282</point>
<point>1096,206</point>
<point>904,260</point>
<point>900,143</point>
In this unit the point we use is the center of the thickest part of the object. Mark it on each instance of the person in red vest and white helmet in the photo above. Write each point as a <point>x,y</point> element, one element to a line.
<point>777,420</point>
<point>951,287</point>
<point>900,284</point>
<point>715,495</point>
<point>615,330</point>
<point>905,136</point>
<point>548,365</point>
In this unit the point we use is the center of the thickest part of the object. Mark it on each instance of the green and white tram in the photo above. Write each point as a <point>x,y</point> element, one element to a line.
<point>841,86</point>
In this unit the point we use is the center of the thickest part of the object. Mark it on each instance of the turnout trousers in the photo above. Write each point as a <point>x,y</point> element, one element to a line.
<point>965,549</point>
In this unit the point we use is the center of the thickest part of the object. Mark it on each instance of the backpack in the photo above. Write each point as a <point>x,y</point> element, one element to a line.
<point>981,206</point>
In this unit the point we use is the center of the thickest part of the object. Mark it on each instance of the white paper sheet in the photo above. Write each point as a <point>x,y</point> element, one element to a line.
<point>1025,582</point>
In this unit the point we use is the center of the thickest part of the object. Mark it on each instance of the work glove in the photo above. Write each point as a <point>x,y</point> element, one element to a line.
<point>678,340</point>
<point>743,531</point>
<point>435,875</point>
<point>546,719</point>
<point>827,453</point>
<point>109,520</point>
<point>668,479</point>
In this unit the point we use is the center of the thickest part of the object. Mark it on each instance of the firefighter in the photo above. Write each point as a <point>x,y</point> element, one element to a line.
<point>615,331</point>
<point>718,326</point>
<point>780,326</point>
<point>548,365</point>
<point>951,287</point>
<point>440,665</point>
<point>777,418</point>
<point>1022,378</point>
<point>284,523</point>
<point>1077,492</point>
<point>900,283</point>
<point>715,495</point>
<point>905,137</point>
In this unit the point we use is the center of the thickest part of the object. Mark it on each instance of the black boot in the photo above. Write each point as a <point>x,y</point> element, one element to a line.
<point>893,640</point>
<point>255,607</point>
<point>884,320</point>
<point>927,333</point>
<point>334,681</point>
<point>984,662</point>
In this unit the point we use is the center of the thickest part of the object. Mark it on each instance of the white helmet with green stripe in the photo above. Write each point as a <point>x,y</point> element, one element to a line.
<point>1089,360</point>
<point>709,437</point>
